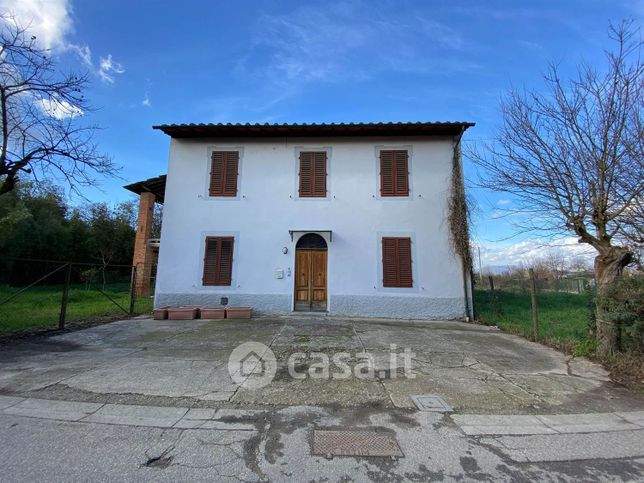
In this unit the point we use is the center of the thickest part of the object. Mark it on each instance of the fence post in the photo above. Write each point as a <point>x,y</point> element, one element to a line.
<point>132,290</point>
<point>63,302</point>
<point>491,279</point>
<point>533,301</point>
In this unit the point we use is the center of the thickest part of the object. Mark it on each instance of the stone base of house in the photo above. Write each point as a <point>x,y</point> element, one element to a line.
<point>262,304</point>
<point>384,306</point>
<point>392,307</point>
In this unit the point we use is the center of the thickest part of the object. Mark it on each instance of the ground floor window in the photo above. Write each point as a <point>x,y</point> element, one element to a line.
<point>218,260</point>
<point>396,262</point>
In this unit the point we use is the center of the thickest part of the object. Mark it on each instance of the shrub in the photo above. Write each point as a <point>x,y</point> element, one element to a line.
<point>585,348</point>
<point>623,305</point>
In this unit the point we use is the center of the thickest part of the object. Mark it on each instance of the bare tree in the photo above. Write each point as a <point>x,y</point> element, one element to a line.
<point>539,266</point>
<point>580,264</point>
<point>40,116</point>
<point>556,263</point>
<point>572,156</point>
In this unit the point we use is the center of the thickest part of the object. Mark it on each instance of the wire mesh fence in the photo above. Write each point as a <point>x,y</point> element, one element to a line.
<point>560,309</point>
<point>49,294</point>
<point>521,285</point>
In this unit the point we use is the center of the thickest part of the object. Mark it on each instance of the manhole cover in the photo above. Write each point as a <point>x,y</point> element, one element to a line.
<point>354,443</point>
<point>429,402</point>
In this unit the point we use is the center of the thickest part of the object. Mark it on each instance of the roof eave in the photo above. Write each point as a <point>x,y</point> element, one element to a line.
<point>154,185</point>
<point>313,130</point>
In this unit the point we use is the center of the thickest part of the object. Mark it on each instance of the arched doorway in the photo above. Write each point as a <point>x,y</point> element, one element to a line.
<point>310,273</point>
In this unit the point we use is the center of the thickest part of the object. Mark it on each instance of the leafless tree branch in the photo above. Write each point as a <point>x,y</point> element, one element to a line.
<point>41,113</point>
<point>573,156</point>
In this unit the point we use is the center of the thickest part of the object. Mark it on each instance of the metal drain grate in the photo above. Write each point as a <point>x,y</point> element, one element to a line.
<point>354,443</point>
<point>429,402</point>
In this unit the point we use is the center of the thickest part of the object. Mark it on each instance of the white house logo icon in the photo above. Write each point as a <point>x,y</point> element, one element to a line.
<point>252,365</point>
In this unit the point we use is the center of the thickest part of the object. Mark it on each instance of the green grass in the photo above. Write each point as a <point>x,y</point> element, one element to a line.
<point>563,323</point>
<point>39,307</point>
<point>563,317</point>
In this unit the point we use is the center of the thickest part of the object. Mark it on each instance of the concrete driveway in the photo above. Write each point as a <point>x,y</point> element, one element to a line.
<point>475,369</point>
<point>141,399</point>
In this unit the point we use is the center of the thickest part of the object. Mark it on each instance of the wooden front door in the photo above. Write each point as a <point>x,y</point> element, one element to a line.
<point>310,279</point>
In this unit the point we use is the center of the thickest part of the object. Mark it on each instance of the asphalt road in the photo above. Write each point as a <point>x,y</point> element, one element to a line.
<point>276,446</point>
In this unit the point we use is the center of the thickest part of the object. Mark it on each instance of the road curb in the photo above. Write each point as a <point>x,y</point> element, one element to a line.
<point>242,419</point>
<point>512,425</point>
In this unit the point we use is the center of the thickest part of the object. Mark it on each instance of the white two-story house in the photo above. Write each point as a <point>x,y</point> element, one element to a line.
<point>347,219</point>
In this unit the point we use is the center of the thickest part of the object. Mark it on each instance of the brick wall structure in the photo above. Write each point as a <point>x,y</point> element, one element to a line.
<point>143,255</point>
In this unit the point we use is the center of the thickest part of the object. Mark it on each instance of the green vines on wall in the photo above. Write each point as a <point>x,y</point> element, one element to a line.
<point>458,213</point>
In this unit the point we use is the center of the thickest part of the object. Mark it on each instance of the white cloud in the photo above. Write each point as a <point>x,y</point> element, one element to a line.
<point>503,202</point>
<point>59,109</point>
<point>352,40</point>
<point>502,254</point>
<point>51,22</point>
<point>108,67</point>
<point>83,52</point>
<point>146,101</point>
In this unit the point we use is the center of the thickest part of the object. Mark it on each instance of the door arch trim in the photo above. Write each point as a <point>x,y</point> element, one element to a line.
<point>311,241</point>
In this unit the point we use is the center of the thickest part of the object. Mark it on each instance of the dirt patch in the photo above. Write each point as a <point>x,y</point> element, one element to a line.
<point>627,369</point>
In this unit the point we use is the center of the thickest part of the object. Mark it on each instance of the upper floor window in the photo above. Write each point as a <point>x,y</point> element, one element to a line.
<point>394,172</point>
<point>218,260</point>
<point>396,262</point>
<point>223,173</point>
<point>313,174</point>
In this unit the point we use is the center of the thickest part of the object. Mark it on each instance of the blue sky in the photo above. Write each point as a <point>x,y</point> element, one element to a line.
<point>294,61</point>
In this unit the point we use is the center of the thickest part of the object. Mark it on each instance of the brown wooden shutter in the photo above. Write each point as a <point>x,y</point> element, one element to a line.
<point>396,262</point>
<point>402,173</point>
<point>387,173</point>
<point>389,265</point>
<point>226,261</point>
<point>217,174</point>
<point>319,174</point>
<point>223,173</point>
<point>313,174</point>
<point>218,261</point>
<point>306,174</point>
<point>230,173</point>
<point>404,263</point>
<point>394,173</point>
<point>210,261</point>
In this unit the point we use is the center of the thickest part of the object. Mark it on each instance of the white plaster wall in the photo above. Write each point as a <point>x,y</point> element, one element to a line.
<point>267,207</point>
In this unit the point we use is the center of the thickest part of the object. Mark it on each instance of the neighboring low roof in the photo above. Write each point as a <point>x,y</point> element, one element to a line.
<point>314,130</point>
<point>152,185</point>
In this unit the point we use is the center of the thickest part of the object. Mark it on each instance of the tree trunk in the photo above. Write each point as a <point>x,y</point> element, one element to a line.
<point>609,267</point>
